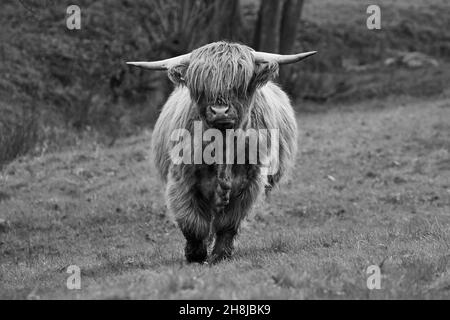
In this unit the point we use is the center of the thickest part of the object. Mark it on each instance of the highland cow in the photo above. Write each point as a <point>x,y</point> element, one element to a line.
<point>224,86</point>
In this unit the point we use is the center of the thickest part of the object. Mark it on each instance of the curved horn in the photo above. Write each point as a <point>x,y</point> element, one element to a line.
<point>162,64</point>
<point>281,58</point>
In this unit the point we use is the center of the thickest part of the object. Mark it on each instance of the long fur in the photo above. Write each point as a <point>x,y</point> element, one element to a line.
<point>220,71</point>
<point>271,110</point>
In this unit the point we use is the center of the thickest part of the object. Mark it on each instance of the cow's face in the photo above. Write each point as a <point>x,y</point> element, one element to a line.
<point>222,79</point>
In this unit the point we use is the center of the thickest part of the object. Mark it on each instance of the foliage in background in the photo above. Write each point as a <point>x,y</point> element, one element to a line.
<point>351,61</point>
<point>77,80</point>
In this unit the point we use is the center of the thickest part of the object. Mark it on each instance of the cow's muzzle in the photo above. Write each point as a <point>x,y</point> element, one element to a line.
<point>220,116</point>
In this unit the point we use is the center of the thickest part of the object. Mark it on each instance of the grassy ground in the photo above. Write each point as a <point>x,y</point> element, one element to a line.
<point>371,187</point>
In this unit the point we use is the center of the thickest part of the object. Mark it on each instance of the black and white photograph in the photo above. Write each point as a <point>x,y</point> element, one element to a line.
<point>225,155</point>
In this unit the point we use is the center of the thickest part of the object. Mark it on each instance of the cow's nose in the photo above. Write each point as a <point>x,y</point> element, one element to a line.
<point>220,111</point>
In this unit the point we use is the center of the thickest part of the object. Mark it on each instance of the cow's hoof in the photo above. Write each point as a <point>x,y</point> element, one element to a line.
<point>196,259</point>
<point>216,258</point>
<point>196,254</point>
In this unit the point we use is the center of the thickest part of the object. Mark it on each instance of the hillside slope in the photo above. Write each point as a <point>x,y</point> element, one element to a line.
<point>369,187</point>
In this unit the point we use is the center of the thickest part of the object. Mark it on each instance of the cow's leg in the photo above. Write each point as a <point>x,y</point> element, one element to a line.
<point>191,213</point>
<point>224,244</point>
<point>196,244</point>
<point>226,225</point>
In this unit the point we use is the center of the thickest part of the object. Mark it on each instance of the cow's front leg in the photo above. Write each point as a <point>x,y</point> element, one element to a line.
<point>196,249</point>
<point>191,213</point>
<point>224,245</point>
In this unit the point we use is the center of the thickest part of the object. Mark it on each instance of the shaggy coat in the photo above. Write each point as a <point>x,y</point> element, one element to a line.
<point>212,200</point>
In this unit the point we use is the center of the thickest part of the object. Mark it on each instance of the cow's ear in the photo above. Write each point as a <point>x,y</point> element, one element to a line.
<point>264,72</point>
<point>177,74</point>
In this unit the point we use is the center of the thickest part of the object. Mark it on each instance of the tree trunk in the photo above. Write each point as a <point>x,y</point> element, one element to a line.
<point>292,12</point>
<point>227,22</point>
<point>267,33</point>
<point>276,30</point>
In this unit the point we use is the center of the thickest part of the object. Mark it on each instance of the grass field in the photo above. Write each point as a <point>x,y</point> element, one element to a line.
<point>371,186</point>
